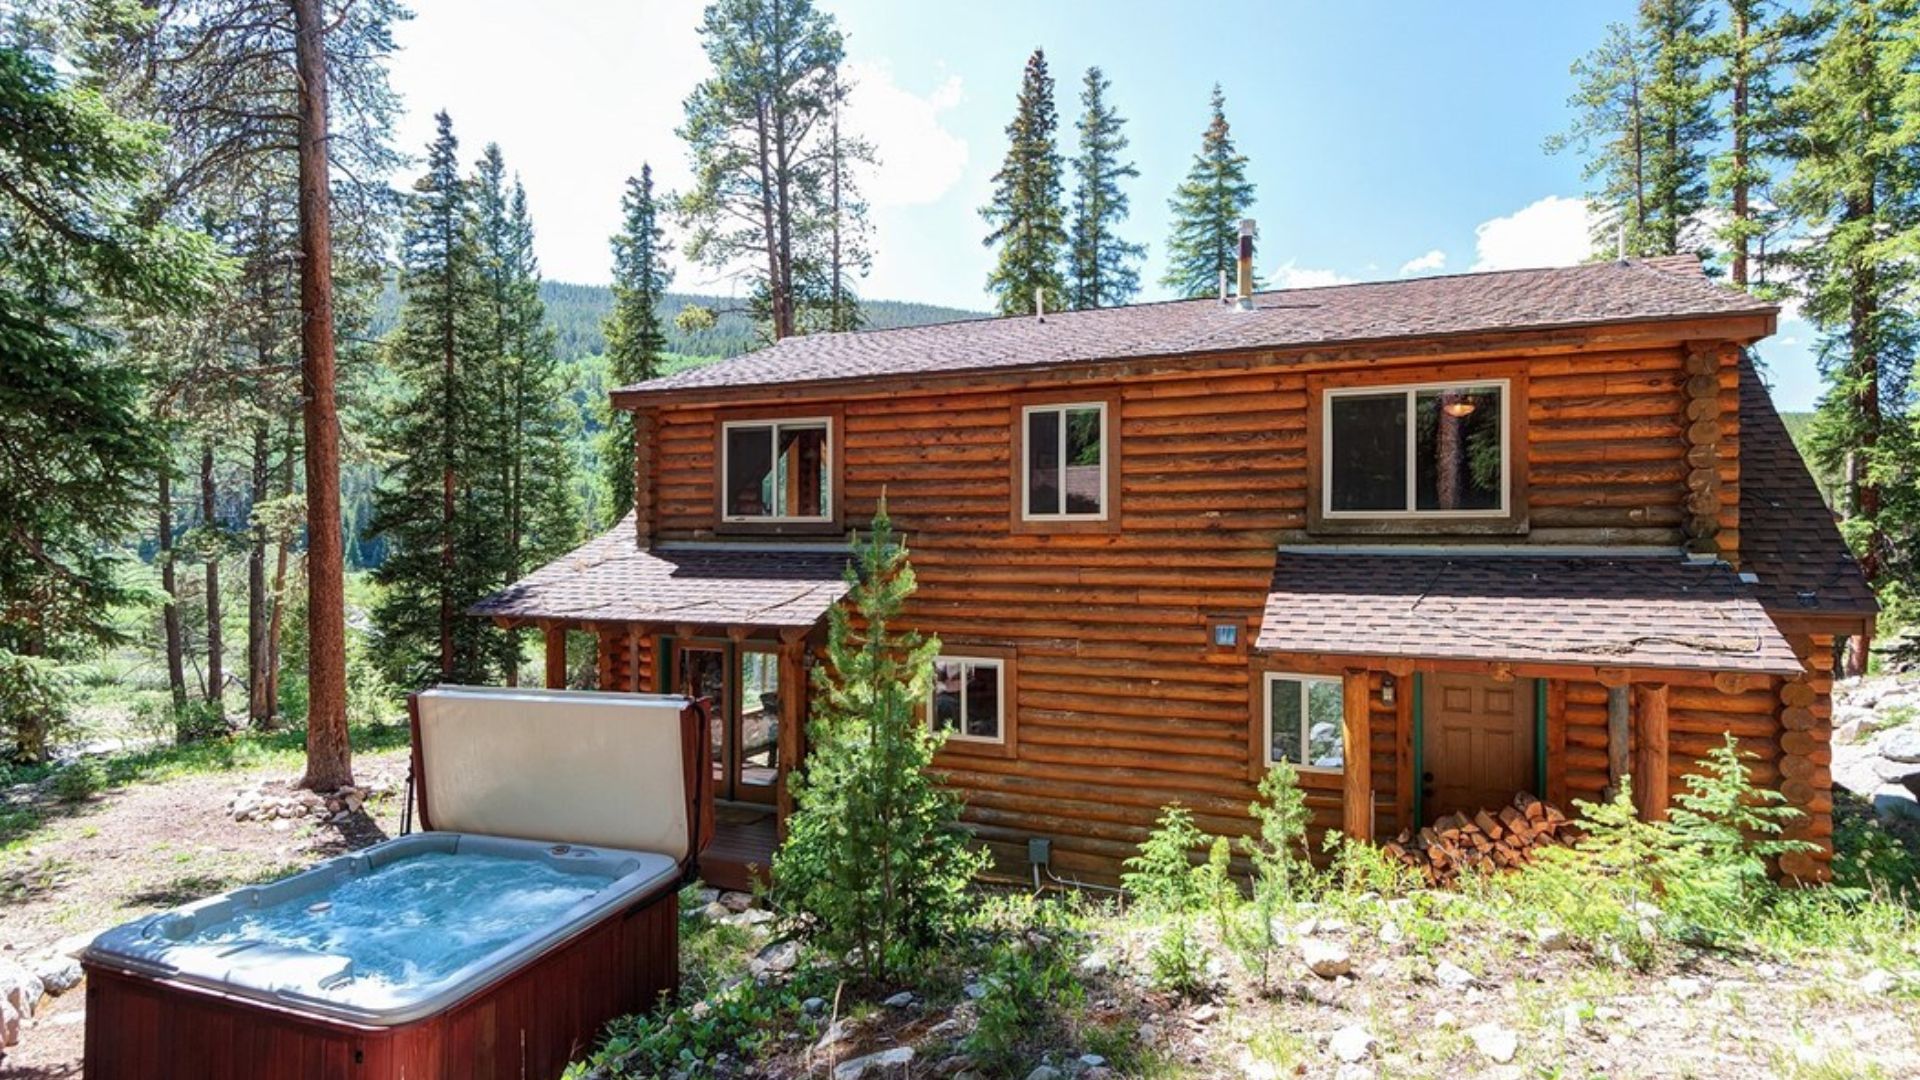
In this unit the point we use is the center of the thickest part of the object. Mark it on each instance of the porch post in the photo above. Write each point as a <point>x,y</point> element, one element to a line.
<point>1650,771</point>
<point>556,640</point>
<point>1356,802</point>
<point>793,697</point>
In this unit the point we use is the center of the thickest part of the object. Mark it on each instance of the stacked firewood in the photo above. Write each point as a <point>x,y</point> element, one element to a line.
<point>1487,841</point>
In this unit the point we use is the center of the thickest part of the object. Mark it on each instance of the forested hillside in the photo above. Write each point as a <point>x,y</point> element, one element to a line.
<point>578,314</point>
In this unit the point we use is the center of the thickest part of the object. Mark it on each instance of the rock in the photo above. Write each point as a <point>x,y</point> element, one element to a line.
<point>1204,1014</point>
<point>1352,1043</point>
<point>1896,772</point>
<point>1391,934</point>
<point>20,988</point>
<point>837,1032</point>
<point>1494,1041</point>
<point>1093,1061</point>
<point>57,974</point>
<point>1453,976</point>
<point>951,1064</point>
<point>1445,1020</point>
<point>703,897</point>
<point>1327,959</point>
<point>1044,1072</point>
<point>975,991</point>
<point>9,1024</point>
<point>712,912</point>
<point>1895,800</point>
<point>1877,982</point>
<point>1353,1071</point>
<point>736,901</point>
<point>814,1006</point>
<point>885,1063</point>
<point>1094,963</point>
<point>950,1028</point>
<point>1902,744</point>
<point>1551,938</point>
<point>1684,989</point>
<point>750,917</point>
<point>776,959</point>
<point>74,944</point>
<point>900,1000</point>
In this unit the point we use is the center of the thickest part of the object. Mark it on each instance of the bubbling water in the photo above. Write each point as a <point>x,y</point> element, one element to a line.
<point>416,920</point>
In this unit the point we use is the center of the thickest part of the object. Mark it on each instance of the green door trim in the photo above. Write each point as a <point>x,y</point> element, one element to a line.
<point>1540,738</point>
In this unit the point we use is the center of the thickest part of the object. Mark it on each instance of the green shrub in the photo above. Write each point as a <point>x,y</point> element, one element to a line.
<point>78,780</point>
<point>197,721</point>
<point>1170,889</point>
<point>1874,857</point>
<point>1030,984</point>
<point>1282,867</point>
<point>36,696</point>
<point>874,855</point>
<point>738,1020</point>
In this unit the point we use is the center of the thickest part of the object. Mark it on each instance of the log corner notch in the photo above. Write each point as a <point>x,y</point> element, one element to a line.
<point>1356,816</point>
<point>643,461</point>
<point>1703,425</point>
<point>1806,760</point>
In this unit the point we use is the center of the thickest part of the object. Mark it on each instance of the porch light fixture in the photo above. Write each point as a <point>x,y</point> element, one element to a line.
<point>1459,408</point>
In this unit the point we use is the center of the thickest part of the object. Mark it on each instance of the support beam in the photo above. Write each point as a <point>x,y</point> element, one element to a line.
<point>556,643</point>
<point>1650,775</point>
<point>1618,738</point>
<point>636,640</point>
<point>1356,818</point>
<point>793,711</point>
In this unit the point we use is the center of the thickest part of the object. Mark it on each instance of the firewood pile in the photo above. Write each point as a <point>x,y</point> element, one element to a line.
<point>1487,841</point>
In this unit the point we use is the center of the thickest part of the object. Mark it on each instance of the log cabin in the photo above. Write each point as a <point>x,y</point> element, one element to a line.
<point>1435,541</point>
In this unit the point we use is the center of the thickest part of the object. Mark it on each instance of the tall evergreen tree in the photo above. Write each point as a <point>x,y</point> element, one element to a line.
<point>1752,52</point>
<point>1643,116</point>
<point>1854,187</point>
<point>77,452</point>
<point>533,490</point>
<point>844,253</point>
<point>636,335</point>
<point>755,130</point>
<point>1102,268</point>
<point>1025,217</point>
<point>439,505</point>
<point>1207,209</point>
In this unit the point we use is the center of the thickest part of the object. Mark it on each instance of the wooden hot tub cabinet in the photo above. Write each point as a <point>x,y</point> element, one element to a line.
<point>528,1024</point>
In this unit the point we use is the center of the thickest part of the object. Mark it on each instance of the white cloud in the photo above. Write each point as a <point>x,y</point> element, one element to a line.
<point>1554,231</point>
<point>920,160</point>
<point>1289,276</point>
<point>1432,260</point>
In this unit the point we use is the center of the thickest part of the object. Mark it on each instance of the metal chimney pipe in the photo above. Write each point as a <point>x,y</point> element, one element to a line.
<point>1246,263</point>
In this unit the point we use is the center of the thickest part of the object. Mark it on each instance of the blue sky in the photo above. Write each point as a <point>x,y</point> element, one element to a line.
<point>1385,138</point>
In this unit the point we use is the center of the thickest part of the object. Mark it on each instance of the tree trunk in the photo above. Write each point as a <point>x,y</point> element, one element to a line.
<point>1738,122</point>
<point>259,704</point>
<point>169,584</point>
<point>329,755</point>
<point>209,511</point>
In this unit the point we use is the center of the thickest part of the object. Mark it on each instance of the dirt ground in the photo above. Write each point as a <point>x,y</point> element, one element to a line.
<point>147,847</point>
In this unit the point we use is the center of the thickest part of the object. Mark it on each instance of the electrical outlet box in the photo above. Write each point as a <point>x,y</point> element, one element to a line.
<point>1039,851</point>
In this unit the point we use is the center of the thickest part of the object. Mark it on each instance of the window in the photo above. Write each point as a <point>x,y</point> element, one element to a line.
<point>777,470</point>
<point>969,699</point>
<point>1305,721</point>
<point>1064,462</point>
<point>1421,450</point>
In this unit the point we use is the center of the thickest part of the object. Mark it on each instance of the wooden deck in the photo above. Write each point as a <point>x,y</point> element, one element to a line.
<point>742,848</point>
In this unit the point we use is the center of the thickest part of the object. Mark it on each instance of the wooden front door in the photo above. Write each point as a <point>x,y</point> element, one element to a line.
<point>1477,743</point>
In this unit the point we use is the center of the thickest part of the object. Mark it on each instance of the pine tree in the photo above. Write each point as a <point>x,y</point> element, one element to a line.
<point>873,852</point>
<point>636,336</point>
<point>533,463</point>
<point>1025,217</point>
<point>1644,118</point>
<point>1207,209</point>
<point>846,253</point>
<point>1101,266</point>
<point>438,506</point>
<point>1854,188</point>
<point>754,129</point>
<point>80,452</point>
<point>1753,50</point>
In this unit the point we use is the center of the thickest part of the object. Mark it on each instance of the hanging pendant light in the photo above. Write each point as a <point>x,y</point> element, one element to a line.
<point>1459,407</point>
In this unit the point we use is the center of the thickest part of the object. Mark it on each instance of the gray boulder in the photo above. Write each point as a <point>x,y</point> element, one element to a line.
<point>893,1062</point>
<point>57,973</point>
<point>20,988</point>
<point>1902,744</point>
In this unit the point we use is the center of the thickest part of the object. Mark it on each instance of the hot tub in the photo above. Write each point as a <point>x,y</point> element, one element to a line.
<point>446,953</point>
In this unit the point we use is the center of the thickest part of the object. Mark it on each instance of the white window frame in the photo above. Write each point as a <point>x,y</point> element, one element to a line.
<point>958,731</point>
<point>1266,708</point>
<point>1026,457</point>
<point>1413,456</point>
<point>773,426</point>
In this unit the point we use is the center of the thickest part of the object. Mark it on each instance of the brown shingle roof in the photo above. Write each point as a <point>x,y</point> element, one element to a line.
<point>1652,611</point>
<point>610,578</point>
<point>1594,293</point>
<point>1787,535</point>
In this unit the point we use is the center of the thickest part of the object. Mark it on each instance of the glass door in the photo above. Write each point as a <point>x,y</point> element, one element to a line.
<point>757,740</point>
<point>700,671</point>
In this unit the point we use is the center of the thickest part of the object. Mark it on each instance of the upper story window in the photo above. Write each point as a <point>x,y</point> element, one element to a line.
<point>1437,450</point>
<point>1306,721</point>
<point>969,698</point>
<point>1064,462</point>
<point>777,470</point>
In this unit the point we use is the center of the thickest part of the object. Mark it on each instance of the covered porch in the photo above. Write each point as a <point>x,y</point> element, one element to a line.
<point>1468,679</point>
<point>736,628</point>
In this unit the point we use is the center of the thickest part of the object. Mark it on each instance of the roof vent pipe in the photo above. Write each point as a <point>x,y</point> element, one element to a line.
<point>1223,286</point>
<point>1040,302</point>
<point>1246,264</point>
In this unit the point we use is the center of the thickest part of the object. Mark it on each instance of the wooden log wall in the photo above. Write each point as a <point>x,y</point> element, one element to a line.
<point>1806,757</point>
<point>1123,704</point>
<point>624,659</point>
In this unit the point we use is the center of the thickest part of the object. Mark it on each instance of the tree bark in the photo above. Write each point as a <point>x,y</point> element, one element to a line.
<point>1742,211</point>
<point>329,754</point>
<point>169,583</point>
<point>259,705</point>
<point>209,511</point>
